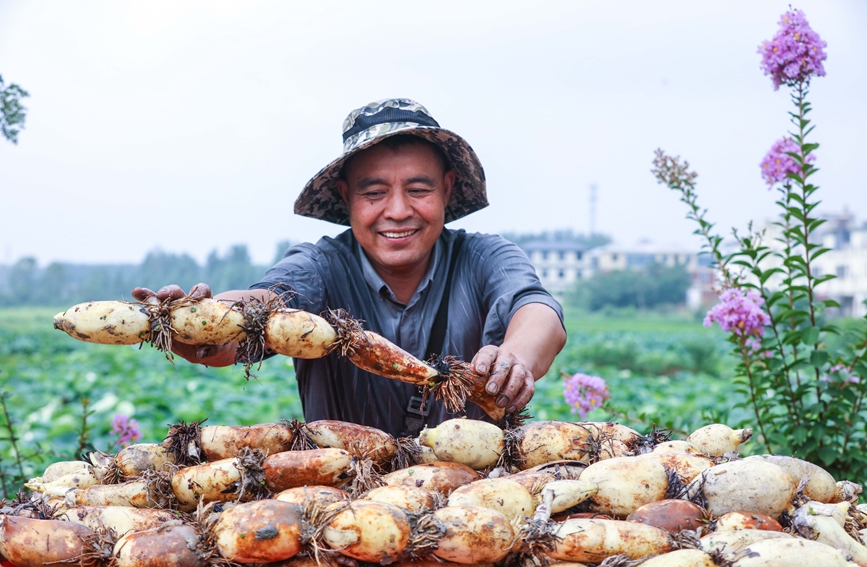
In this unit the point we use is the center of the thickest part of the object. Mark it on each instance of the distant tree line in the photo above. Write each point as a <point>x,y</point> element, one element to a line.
<point>62,283</point>
<point>651,287</point>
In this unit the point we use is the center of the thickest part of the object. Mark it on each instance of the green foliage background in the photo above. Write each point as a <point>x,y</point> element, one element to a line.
<point>654,286</point>
<point>45,375</point>
<point>664,370</point>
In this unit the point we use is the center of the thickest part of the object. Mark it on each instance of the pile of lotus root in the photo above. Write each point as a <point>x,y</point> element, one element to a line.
<point>467,492</point>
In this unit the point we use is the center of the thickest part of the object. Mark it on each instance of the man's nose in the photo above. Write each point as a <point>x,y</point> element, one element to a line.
<point>398,206</point>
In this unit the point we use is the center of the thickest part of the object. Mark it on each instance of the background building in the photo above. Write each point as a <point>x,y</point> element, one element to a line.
<point>845,237</point>
<point>560,264</point>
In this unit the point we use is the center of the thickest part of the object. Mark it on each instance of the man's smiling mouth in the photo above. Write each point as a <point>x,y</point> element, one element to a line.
<point>402,234</point>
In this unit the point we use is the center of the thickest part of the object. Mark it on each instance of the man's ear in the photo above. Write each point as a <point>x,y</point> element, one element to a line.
<point>448,185</point>
<point>343,189</point>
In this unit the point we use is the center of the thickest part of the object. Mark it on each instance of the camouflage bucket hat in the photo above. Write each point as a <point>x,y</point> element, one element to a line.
<point>377,121</point>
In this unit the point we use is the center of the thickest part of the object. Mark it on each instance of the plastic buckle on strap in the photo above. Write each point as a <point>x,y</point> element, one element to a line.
<point>414,406</point>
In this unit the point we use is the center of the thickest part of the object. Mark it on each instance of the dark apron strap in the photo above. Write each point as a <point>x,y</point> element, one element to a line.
<point>417,410</point>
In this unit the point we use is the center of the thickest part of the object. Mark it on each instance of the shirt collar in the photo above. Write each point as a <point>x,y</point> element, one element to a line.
<point>378,285</point>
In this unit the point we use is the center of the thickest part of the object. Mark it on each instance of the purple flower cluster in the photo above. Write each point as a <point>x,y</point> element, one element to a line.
<point>740,313</point>
<point>843,375</point>
<point>125,429</point>
<point>795,53</point>
<point>585,393</point>
<point>777,163</point>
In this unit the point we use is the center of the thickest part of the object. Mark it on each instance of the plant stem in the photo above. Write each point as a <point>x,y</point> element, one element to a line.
<point>787,190</point>
<point>12,439</point>
<point>794,401</point>
<point>802,182</point>
<point>83,434</point>
<point>751,248</point>
<point>742,343</point>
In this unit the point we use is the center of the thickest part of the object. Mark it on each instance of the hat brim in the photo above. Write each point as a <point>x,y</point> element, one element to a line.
<point>321,199</point>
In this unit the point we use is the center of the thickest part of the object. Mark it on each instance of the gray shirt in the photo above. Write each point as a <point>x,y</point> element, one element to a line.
<point>492,279</point>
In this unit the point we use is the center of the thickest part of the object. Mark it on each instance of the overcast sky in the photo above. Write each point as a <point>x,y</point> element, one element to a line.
<point>190,126</point>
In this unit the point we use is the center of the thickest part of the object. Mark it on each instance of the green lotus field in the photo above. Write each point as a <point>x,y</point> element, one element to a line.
<point>61,395</point>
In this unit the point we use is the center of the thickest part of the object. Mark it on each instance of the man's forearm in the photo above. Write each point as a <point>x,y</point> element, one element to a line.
<point>535,335</point>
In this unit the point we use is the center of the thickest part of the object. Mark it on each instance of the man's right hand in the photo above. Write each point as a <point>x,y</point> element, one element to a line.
<point>209,355</point>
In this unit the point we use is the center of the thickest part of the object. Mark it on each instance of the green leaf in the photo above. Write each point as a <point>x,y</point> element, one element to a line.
<point>799,434</point>
<point>831,329</point>
<point>850,395</point>
<point>810,335</point>
<point>765,253</point>
<point>816,223</point>
<point>766,274</point>
<point>820,252</point>
<point>828,455</point>
<point>819,358</point>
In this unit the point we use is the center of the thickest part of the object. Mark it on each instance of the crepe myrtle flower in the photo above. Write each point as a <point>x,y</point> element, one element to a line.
<point>740,313</point>
<point>841,374</point>
<point>125,429</point>
<point>795,53</point>
<point>584,393</point>
<point>777,163</point>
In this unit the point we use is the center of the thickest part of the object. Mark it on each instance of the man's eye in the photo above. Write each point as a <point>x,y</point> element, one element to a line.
<point>420,191</point>
<point>373,194</point>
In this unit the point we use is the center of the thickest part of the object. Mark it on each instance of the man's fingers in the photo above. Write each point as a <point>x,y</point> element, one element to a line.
<point>516,378</point>
<point>170,292</point>
<point>200,290</point>
<point>524,395</point>
<point>484,359</point>
<point>509,379</point>
<point>500,375</point>
<point>142,293</point>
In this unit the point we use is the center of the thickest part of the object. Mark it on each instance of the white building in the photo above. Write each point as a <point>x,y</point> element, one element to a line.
<point>638,256</point>
<point>559,264</point>
<point>846,260</point>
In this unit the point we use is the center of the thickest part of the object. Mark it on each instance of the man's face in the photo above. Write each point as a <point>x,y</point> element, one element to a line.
<point>396,200</point>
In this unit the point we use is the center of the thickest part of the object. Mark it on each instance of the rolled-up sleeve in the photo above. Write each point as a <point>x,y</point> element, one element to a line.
<point>507,281</point>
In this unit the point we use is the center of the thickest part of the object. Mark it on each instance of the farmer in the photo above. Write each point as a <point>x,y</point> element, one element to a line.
<point>428,289</point>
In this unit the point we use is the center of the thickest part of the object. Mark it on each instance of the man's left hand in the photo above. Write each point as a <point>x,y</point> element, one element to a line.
<point>509,379</point>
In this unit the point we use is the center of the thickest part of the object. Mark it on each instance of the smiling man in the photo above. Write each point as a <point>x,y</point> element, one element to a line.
<point>428,289</point>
